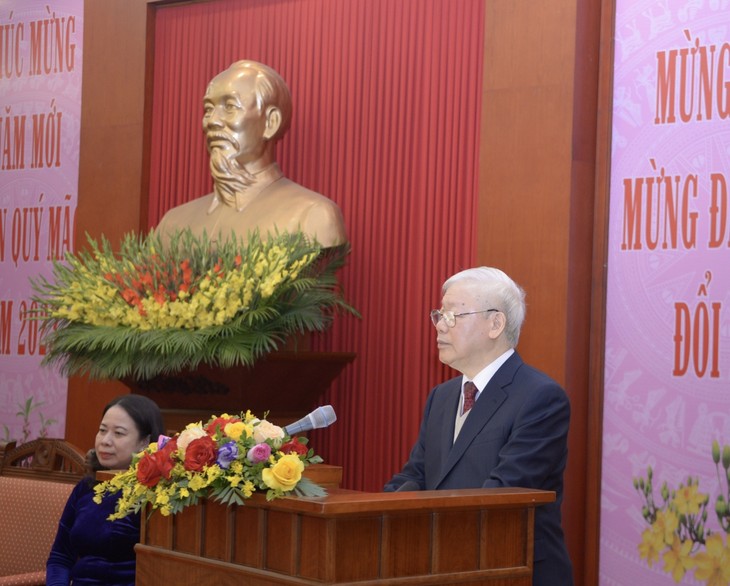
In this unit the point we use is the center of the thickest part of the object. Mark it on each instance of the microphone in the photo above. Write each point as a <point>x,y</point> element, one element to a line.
<point>320,417</point>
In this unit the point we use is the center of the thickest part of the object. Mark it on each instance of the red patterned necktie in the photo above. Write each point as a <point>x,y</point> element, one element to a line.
<point>470,393</point>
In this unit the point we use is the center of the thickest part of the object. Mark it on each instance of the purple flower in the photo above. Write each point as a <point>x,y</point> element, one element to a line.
<point>259,453</point>
<point>161,441</point>
<point>226,454</point>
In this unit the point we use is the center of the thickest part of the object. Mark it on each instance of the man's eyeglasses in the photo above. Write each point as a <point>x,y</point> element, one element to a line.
<point>449,317</point>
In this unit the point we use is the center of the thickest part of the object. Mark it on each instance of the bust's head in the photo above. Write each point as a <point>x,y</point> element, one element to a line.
<point>247,108</point>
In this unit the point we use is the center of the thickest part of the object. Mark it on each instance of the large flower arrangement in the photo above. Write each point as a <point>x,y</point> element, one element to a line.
<point>150,310</point>
<point>678,530</point>
<point>227,460</point>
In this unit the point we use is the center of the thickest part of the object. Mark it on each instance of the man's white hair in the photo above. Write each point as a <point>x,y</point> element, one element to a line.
<point>501,292</point>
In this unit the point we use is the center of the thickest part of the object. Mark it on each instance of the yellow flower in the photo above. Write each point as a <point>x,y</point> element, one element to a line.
<point>285,474</point>
<point>688,500</point>
<point>667,522</point>
<point>651,545</point>
<point>248,488</point>
<point>235,430</point>
<point>663,529</point>
<point>213,472</point>
<point>677,559</point>
<point>713,564</point>
<point>197,482</point>
<point>161,497</point>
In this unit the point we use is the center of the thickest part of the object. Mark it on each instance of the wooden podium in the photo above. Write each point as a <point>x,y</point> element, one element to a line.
<point>469,537</point>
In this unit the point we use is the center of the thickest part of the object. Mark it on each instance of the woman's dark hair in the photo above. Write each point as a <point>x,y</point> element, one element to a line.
<point>144,412</point>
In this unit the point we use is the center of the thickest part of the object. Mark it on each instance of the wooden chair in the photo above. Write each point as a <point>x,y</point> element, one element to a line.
<point>43,459</point>
<point>36,479</point>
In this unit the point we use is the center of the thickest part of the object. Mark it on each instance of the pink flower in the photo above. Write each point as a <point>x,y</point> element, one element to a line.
<point>259,453</point>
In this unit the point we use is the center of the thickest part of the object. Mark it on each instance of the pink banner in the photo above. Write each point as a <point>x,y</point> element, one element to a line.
<point>667,397</point>
<point>40,97</point>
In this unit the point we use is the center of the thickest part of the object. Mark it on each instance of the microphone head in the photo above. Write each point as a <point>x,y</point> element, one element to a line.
<point>320,417</point>
<point>323,416</point>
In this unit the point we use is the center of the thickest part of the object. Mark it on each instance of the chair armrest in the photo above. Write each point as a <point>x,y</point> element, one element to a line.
<point>29,579</point>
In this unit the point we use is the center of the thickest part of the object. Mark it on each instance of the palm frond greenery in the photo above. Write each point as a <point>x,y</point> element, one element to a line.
<point>149,310</point>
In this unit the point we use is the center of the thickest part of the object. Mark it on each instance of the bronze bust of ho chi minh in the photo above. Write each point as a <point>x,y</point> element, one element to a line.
<point>247,109</point>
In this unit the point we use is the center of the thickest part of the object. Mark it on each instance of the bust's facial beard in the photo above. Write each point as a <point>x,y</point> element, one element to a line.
<point>229,177</point>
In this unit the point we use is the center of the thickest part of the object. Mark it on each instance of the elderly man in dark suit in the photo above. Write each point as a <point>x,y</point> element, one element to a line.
<point>502,423</point>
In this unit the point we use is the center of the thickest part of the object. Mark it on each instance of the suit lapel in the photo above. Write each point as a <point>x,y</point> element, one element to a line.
<point>451,404</point>
<point>490,400</point>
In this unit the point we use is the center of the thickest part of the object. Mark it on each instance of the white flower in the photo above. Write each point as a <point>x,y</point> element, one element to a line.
<point>268,431</point>
<point>192,432</point>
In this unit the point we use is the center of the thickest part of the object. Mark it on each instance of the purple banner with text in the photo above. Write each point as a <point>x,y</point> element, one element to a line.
<point>40,97</point>
<point>665,515</point>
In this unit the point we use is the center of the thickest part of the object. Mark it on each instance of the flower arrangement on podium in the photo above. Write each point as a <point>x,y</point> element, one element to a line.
<point>151,310</point>
<point>227,459</point>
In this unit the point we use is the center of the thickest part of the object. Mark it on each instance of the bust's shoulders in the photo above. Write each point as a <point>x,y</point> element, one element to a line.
<point>187,214</point>
<point>296,192</point>
<point>203,201</point>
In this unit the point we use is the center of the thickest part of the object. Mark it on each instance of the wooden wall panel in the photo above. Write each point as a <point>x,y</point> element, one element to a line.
<point>536,197</point>
<point>111,161</point>
<point>598,274</point>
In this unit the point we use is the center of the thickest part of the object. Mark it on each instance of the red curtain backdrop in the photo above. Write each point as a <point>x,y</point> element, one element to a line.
<point>386,123</point>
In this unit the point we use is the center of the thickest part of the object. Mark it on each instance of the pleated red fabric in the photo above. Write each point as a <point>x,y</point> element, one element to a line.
<point>386,123</point>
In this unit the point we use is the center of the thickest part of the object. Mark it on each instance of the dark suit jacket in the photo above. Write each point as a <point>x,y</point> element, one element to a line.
<point>515,435</point>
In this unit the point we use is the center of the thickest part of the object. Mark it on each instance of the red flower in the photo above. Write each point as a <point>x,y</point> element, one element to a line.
<point>201,452</point>
<point>219,424</point>
<point>160,297</point>
<point>130,296</point>
<point>218,268</point>
<point>152,467</point>
<point>294,447</point>
<point>148,472</point>
<point>187,271</point>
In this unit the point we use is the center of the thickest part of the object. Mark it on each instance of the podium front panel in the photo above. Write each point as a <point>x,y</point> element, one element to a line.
<point>473,537</point>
